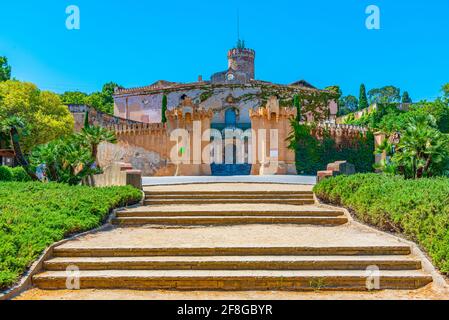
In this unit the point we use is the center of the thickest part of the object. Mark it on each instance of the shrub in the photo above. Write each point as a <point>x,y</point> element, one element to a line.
<point>72,158</point>
<point>34,215</point>
<point>417,208</point>
<point>20,175</point>
<point>5,174</point>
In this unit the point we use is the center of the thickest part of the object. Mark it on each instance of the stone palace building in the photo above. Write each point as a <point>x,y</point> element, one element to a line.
<point>233,99</point>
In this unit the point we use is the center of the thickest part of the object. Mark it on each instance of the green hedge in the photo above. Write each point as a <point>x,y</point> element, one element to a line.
<point>5,174</point>
<point>417,208</point>
<point>17,174</point>
<point>35,215</point>
<point>313,155</point>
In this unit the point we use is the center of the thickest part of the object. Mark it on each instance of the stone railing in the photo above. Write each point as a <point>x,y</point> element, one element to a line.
<point>138,128</point>
<point>341,133</point>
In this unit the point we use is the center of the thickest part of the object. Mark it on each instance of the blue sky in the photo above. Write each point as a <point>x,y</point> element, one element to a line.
<point>137,42</point>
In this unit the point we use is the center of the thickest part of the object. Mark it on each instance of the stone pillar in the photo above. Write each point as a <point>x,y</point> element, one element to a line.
<point>272,118</point>
<point>195,121</point>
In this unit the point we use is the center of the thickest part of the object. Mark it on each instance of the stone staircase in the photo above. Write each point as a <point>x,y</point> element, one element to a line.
<point>240,241</point>
<point>195,211</point>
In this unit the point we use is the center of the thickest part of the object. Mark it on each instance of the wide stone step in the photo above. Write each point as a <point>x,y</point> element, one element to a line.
<point>231,213</point>
<point>229,193</point>
<point>228,196</point>
<point>234,280</point>
<point>236,263</point>
<point>231,220</point>
<point>231,251</point>
<point>294,201</point>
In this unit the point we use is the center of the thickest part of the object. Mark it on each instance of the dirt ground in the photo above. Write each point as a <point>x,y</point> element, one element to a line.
<point>427,293</point>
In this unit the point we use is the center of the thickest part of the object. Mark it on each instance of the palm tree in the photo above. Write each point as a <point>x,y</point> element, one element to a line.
<point>12,126</point>
<point>422,149</point>
<point>94,135</point>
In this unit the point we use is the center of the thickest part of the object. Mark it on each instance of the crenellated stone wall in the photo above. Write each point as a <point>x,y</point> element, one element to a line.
<point>156,149</point>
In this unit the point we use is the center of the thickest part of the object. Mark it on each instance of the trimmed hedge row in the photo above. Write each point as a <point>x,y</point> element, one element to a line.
<point>35,215</point>
<point>417,208</point>
<point>13,174</point>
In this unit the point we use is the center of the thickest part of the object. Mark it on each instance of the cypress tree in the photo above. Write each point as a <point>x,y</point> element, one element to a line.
<point>297,105</point>
<point>363,100</point>
<point>86,120</point>
<point>164,108</point>
<point>406,98</point>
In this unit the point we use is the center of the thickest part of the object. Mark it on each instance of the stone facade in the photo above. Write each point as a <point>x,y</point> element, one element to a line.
<point>186,144</point>
<point>234,88</point>
<point>258,112</point>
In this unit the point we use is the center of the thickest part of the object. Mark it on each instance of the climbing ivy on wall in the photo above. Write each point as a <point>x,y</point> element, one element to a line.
<point>316,103</point>
<point>313,154</point>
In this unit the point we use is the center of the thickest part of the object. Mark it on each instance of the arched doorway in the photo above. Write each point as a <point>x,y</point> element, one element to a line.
<point>231,165</point>
<point>230,118</point>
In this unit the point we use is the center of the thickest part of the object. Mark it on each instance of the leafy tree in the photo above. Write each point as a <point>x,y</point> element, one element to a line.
<point>387,94</point>
<point>104,100</point>
<point>363,100</point>
<point>445,90</point>
<point>96,100</point>
<point>349,104</point>
<point>5,69</point>
<point>297,105</point>
<point>335,89</point>
<point>108,99</point>
<point>439,109</point>
<point>45,116</point>
<point>164,108</point>
<point>406,98</point>
<point>74,97</point>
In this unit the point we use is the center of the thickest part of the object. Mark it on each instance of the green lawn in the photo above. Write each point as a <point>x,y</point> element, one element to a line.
<point>35,215</point>
<point>417,208</point>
